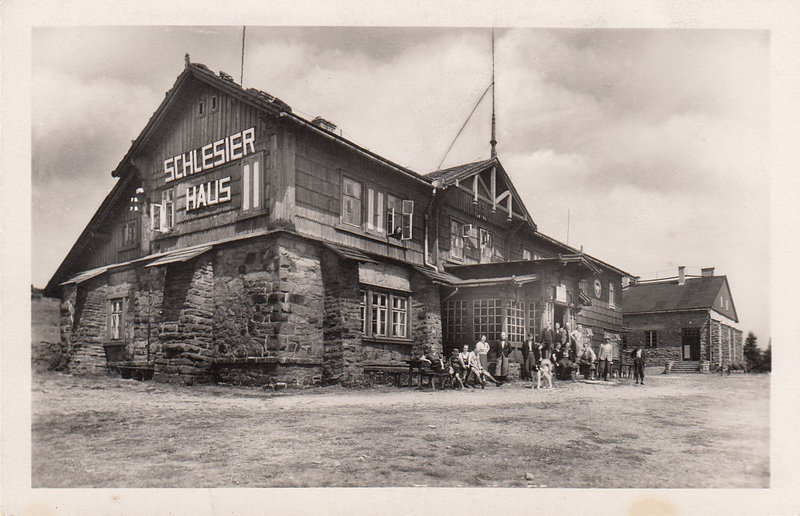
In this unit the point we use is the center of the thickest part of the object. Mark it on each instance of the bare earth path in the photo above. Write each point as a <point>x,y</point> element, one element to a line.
<point>677,431</point>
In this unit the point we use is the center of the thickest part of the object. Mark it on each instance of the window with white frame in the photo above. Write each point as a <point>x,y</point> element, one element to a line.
<point>374,210</point>
<point>515,320</point>
<point>362,310</point>
<point>115,319</point>
<point>456,240</point>
<point>384,314</point>
<point>611,300</point>
<point>351,202</point>
<point>168,209</point>
<point>399,317</point>
<point>162,215</point>
<point>379,307</point>
<point>394,215</point>
<point>527,254</point>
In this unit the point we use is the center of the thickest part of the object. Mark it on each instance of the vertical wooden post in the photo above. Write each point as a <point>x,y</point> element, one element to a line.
<point>494,189</point>
<point>282,184</point>
<point>475,189</point>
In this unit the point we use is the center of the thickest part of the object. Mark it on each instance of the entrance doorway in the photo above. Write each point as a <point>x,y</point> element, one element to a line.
<point>558,315</point>
<point>690,344</point>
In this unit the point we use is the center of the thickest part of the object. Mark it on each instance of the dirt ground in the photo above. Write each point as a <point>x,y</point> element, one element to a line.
<point>687,431</point>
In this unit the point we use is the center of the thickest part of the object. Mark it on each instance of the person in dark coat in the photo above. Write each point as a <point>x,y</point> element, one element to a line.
<point>639,355</point>
<point>548,338</point>
<point>529,348</point>
<point>502,350</point>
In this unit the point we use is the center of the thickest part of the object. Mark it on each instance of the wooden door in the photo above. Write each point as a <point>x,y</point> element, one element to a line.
<point>690,344</point>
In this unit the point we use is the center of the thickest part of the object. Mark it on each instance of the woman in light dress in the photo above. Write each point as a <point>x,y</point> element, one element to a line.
<point>482,350</point>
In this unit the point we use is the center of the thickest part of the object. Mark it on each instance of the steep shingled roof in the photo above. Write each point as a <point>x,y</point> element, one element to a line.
<point>447,174</point>
<point>696,293</point>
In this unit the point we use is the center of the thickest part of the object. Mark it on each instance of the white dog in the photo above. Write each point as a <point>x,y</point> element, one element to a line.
<point>546,370</point>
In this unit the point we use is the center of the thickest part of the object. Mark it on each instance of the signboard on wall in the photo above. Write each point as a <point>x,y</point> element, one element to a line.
<point>561,294</point>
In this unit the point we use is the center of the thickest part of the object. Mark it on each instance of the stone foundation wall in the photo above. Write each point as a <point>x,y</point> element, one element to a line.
<point>669,328</point>
<point>279,297</point>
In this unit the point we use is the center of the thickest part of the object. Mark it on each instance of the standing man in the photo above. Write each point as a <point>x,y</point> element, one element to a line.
<point>547,340</point>
<point>561,336</point>
<point>605,358</point>
<point>502,350</point>
<point>528,348</point>
<point>639,355</point>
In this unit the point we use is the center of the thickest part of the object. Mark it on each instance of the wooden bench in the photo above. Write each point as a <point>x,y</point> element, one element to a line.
<point>396,370</point>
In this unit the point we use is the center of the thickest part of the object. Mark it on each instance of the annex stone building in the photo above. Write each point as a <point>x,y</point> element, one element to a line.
<point>246,244</point>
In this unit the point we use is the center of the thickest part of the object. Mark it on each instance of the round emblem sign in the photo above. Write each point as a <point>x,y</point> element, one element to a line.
<point>598,288</point>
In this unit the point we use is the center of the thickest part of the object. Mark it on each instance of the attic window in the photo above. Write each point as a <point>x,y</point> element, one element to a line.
<point>201,108</point>
<point>214,104</point>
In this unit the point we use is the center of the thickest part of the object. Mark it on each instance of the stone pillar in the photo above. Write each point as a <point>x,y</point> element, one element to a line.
<point>426,315</point>
<point>341,326</point>
<point>186,329</point>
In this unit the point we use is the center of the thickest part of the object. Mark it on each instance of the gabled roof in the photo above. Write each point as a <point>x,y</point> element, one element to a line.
<point>664,296</point>
<point>450,176</point>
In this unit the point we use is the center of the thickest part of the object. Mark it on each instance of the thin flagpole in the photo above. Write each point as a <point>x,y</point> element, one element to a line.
<point>241,73</point>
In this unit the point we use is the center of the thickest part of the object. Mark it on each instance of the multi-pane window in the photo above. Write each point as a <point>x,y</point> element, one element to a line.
<point>380,308</point>
<point>454,325</point>
<point>362,309</point>
<point>128,233</point>
<point>538,315</point>
<point>515,321</point>
<point>487,318</point>
<point>399,317</point>
<point>456,240</point>
<point>611,301</point>
<point>252,184</point>
<point>650,339</point>
<point>115,319</point>
<point>351,202</point>
<point>167,209</point>
<point>374,210</point>
<point>383,314</point>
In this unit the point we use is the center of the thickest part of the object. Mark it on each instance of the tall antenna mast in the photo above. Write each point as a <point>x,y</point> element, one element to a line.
<point>493,141</point>
<point>241,73</point>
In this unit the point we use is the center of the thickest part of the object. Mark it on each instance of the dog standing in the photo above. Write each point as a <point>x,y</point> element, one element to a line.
<point>545,370</point>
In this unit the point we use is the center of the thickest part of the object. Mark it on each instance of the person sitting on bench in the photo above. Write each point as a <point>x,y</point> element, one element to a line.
<point>457,367</point>
<point>475,370</point>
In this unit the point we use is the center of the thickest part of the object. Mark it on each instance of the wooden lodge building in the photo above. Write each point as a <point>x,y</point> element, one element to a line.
<point>247,244</point>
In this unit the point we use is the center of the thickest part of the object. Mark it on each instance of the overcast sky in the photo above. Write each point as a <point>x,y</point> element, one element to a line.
<point>656,141</point>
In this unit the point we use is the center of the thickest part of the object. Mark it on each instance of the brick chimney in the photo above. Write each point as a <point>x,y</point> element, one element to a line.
<point>681,275</point>
<point>707,272</point>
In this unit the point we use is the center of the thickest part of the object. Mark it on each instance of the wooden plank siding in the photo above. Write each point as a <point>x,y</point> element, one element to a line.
<point>320,166</point>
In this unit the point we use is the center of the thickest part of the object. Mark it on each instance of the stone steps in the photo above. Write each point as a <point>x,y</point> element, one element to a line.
<point>686,367</point>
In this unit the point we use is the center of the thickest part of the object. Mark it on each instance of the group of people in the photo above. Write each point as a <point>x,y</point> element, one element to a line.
<point>471,368</point>
<point>565,352</point>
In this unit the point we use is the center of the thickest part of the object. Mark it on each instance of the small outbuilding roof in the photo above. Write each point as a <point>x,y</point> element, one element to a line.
<point>695,293</point>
